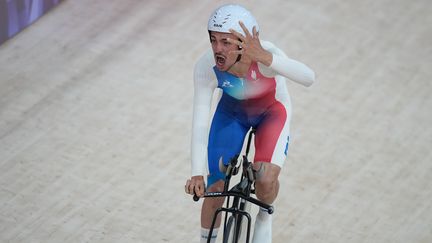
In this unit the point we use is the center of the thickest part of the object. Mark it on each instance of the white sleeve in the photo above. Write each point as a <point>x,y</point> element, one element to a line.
<point>289,68</point>
<point>204,86</point>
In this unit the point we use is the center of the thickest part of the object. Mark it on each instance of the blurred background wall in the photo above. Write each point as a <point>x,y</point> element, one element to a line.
<point>15,15</point>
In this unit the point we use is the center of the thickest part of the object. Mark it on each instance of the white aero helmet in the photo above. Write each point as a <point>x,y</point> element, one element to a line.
<point>228,16</point>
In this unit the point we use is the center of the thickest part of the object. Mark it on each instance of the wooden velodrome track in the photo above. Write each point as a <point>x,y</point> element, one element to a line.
<point>96,106</point>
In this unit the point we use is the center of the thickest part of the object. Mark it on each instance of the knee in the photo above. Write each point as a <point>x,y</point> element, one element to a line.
<point>267,189</point>
<point>267,185</point>
<point>217,186</point>
<point>215,202</point>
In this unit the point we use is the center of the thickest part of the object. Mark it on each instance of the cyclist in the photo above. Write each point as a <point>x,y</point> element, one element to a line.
<point>251,74</point>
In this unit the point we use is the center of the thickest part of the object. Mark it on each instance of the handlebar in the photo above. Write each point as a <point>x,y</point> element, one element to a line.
<point>269,208</point>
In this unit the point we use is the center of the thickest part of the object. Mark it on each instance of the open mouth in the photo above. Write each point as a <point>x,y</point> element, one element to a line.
<point>220,60</point>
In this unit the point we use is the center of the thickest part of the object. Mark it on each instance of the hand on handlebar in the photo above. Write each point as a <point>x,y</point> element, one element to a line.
<point>195,186</point>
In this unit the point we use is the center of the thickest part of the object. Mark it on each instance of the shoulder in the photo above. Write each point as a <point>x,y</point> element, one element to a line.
<point>206,60</point>
<point>203,70</point>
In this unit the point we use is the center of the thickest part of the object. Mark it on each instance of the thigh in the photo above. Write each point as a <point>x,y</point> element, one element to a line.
<point>272,136</point>
<point>225,141</point>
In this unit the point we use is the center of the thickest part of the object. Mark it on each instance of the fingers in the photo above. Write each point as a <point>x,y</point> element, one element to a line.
<point>237,34</point>
<point>194,187</point>
<point>235,42</point>
<point>188,187</point>
<point>237,52</point>
<point>199,190</point>
<point>255,32</point>
<point>246,31</point>
<point>244,41</point>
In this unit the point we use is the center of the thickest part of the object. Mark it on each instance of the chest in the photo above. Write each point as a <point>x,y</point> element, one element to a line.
<point>253,85</point>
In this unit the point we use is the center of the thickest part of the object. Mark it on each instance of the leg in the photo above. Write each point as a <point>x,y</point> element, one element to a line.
<point>267,188</point>
<point>225,141</point>
<point>210,205</point>
<point>271,144</point>
<point>267,182</point>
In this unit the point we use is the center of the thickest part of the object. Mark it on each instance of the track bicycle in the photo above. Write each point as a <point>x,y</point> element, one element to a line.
<point>237,198</point>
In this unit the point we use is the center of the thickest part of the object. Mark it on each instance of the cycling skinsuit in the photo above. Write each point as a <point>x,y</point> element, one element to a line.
<point>257,100</point>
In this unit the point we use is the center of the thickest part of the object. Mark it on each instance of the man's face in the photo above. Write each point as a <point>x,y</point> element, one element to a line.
<point>222,48</point>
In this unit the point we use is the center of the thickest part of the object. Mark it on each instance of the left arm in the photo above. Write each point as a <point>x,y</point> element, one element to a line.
<point>287,67</point>
<point>272,57</point>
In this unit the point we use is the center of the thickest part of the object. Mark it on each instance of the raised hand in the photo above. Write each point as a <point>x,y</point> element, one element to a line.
<point>250,46</point>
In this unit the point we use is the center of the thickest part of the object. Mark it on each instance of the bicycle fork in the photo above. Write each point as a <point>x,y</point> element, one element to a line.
<point>238,213</point>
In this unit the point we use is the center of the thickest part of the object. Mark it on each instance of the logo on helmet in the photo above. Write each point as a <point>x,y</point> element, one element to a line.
<point>217,25</point>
